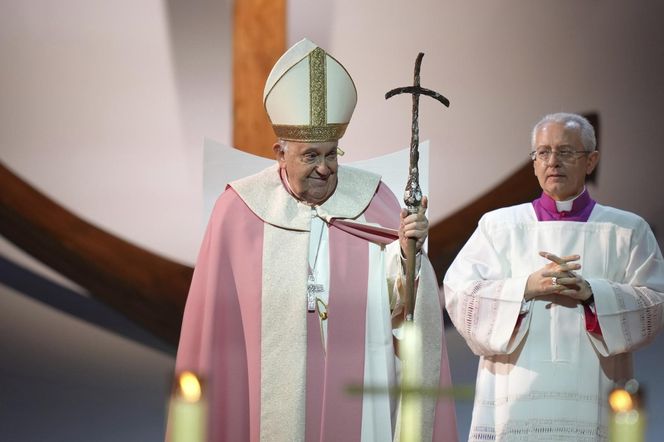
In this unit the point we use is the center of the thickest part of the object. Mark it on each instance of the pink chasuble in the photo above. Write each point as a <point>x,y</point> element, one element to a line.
<point>221,331</point>
<point>221,336</point>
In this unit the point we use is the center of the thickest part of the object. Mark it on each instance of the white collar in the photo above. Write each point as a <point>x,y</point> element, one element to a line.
<point>566,206</point>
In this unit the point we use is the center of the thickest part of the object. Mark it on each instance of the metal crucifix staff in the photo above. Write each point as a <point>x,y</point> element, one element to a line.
<point>413,193</point>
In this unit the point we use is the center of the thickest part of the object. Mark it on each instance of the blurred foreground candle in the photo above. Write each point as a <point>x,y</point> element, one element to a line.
<point>188,410</point>
<point>628,420</point>
<point>410,350</point>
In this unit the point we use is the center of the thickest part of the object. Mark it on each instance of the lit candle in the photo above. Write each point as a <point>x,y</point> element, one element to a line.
<point>627,418</point>
<point>410,350</point>
<point>187,411</point>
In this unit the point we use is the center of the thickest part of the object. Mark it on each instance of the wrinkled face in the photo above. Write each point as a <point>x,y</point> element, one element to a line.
<point>311,169</point>
<point>562,179</point>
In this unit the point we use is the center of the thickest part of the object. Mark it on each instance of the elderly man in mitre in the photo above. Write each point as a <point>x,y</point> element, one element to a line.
<point>297,289</point>
<point>554,296</point>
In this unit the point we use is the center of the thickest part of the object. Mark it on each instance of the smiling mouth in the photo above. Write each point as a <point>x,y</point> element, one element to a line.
<point>318,182</point>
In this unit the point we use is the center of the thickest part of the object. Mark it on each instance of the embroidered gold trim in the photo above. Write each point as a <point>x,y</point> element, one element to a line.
<point>310,134</point>
<point>317,88</point>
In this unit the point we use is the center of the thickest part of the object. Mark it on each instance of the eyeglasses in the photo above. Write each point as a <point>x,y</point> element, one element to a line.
<point>313,157</point>
<point>565,155</point>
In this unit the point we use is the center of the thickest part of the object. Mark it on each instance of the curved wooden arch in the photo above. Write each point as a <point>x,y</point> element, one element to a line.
<point>152,290</point>
<point>148,289</point>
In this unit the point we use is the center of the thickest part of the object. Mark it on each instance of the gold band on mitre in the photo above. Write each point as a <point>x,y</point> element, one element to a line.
<point>310,134</point>
<point>309,96</point>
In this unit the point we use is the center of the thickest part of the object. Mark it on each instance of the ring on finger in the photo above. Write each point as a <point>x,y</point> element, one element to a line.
<point>554,280</point>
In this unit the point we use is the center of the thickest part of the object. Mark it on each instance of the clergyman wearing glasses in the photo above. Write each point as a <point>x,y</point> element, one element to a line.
<point>554,296</point>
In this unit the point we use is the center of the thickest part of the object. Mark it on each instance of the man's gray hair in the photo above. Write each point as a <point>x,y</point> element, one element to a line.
<point>569,120</point>
<point>283,145</point>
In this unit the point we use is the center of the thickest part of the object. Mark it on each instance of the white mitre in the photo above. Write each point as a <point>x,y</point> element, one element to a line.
<point>309,96</point>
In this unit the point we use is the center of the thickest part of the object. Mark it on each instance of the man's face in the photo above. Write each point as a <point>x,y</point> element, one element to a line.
<point>311,169</point>
<point>562,179</point>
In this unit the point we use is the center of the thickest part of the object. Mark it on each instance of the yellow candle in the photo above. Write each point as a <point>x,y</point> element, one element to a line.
<point>410,349</point>
<point>188,410</point>
<point>628,420</point>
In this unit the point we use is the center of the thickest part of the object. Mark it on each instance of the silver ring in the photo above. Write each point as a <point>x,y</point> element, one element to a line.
<point>554,280</point>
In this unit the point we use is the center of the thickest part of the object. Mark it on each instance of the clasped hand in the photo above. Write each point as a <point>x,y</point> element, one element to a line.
<point>558,277</point>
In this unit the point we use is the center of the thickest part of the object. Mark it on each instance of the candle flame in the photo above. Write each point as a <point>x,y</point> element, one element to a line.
<point>190,387</point>
<point>620,401</point>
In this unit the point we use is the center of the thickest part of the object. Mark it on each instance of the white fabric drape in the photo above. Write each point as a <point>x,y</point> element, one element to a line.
<point>548,378</point>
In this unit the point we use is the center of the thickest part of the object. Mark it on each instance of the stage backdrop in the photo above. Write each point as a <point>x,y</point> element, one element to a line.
<point>104,107</point>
